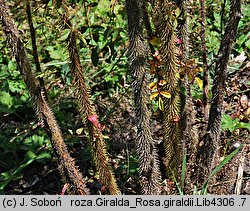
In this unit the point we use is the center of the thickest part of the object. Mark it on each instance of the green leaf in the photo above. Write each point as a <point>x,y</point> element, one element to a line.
<point>43,155</point>
<point>183,171</point>
<point>15,86</point>
<point>123,34</point>
<point>102,44</point>
<point>244,125</point>
<point>23,166</point>
<point>93,42</point>
<point>30,155</point>
<point>155,105</point>
<point>111,78</point>
<point>247,43</point>
<point>57,54</point>
<point>67,78</point>
<point>6,99</point>
<point>115,34</point>
<point>227,123</point>
<point>224,162</point>
<point>178,186</point>
<point>8,176</point>
<point>65,35</point>
<point>241,39</point>
<point>49,48</point>
<point>11,66</point>
<point>4,75</point>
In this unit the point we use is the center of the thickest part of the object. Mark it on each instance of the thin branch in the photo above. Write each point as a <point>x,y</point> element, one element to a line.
<point>208,153</point>
<point>222,15</point>
<point>147,24</point>
<point>238,185</point>
<point>34,46</point>
<point>204,59</point>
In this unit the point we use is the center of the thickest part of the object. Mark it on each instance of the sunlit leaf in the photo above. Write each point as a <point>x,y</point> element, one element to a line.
<point>160,104</point>
<point>155,41</point>
<point>165,94</point>
<point>152,85</point>
<point>79,131</point>
<point>70,131</point>
<point>162,82</point>
<point>106,137</point>
<point>199,82</point>
<point>154,95</point>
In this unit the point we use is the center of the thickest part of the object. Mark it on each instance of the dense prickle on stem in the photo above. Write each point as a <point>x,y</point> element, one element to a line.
<point>208,153</point>
<point>165,22</point>
<point>89,116</point>
<point>40,104</point>
<point>149,170</point>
